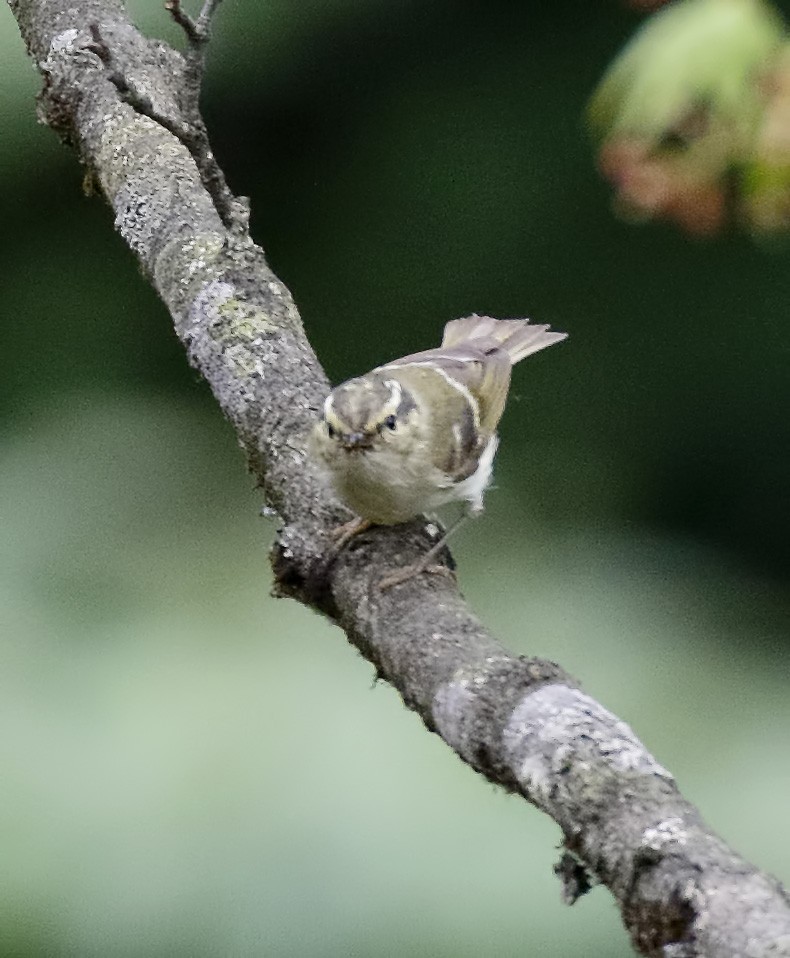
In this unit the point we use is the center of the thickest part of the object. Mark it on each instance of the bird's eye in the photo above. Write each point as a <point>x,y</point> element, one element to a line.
<point>391,422</point>
<point>330,430</point>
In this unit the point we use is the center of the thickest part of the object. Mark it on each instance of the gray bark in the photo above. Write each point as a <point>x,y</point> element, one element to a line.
<point>122,101</point>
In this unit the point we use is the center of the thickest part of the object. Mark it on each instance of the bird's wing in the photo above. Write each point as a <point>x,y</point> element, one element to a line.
<point>480,368</point>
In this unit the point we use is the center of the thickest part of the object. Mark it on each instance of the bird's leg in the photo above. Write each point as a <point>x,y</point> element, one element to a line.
<point>342,535</point>
<point>425,563</point>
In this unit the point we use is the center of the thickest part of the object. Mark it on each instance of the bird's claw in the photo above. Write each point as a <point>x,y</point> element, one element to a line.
<point>343,534</point>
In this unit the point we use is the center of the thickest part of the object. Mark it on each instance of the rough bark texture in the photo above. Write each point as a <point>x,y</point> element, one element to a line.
<point>523,723</point>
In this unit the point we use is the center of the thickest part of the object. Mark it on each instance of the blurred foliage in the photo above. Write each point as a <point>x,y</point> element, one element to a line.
<point>693,119</point>
<point>196,769</point>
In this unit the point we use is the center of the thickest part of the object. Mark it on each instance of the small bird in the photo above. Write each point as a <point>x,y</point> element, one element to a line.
<point>420,432</point>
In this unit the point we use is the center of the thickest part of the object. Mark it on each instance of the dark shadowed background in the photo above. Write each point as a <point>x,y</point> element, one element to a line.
<point>193,768</point>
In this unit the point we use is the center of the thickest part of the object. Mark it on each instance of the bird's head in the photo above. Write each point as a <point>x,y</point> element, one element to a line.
<point>369,412</point>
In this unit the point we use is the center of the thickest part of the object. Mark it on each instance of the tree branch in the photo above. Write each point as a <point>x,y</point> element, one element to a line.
<point>124,102</point>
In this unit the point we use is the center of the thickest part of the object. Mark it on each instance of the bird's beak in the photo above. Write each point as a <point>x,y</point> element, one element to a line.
<point>356,440</point>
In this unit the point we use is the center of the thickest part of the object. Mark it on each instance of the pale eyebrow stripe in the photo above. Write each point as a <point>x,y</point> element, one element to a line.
<point>396,393</point>
<point>327,406</point>
<point>458,386</point>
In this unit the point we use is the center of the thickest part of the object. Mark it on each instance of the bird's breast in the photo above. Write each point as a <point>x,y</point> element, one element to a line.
<point>385,487</point>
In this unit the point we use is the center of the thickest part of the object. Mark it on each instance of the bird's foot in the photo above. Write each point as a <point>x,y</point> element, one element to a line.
<point>342,535</point>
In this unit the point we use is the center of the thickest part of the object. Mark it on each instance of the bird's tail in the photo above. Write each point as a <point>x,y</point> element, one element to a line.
<point>516,336</point>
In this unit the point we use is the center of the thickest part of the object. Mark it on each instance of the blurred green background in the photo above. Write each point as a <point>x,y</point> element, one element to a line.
<point>192,768</point>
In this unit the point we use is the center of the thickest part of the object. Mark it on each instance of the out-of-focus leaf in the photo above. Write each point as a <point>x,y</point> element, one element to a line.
<point>679,109</point>
<point>766,177</point>
<point>695,54</point>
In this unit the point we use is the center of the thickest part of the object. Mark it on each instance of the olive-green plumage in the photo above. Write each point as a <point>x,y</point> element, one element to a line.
<point>421,431</point>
